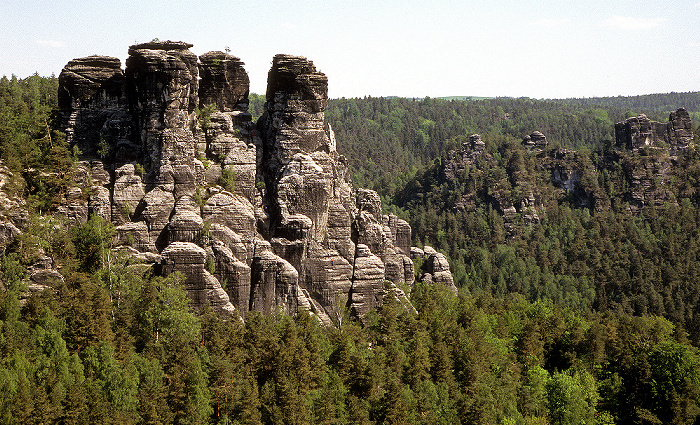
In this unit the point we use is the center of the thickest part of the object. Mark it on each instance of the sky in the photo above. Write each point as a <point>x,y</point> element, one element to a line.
<point>538,49</point>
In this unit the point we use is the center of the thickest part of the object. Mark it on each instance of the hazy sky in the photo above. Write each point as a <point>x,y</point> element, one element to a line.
<point>539,49</point>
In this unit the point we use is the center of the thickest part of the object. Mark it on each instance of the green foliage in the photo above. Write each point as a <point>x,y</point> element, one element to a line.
<point>556,322</point>
<point>256,105</point>
<point>29,146</point>
<point>200,196</point>
<point>572,399</point>
<point>228,179</point>
<point>92,240</point>
<point>461,359</point>
<point>139,170</point>
<point>103,148</point>
<point>204,115</point>
<point>210,265</point>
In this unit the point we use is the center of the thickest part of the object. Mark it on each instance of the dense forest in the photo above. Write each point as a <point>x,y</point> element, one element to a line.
<point>587,316</point>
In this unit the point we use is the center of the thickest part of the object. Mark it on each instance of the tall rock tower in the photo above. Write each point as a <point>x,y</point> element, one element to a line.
<point>194,186</point>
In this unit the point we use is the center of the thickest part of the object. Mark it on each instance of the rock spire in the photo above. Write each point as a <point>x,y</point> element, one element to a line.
<point>257,216</point>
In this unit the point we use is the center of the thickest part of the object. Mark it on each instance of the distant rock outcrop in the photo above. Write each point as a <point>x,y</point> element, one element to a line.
<point>535,140</point>
<point>256,216</point>
<point>662,142</point>
<point>638,132</point>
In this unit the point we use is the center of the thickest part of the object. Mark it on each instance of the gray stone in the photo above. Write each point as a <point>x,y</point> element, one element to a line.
<point>155,209</point>
<point>367,289</point>
<point>202,288</point>
<point>186,223</point>
<point>437,271</point>
<point>135,235</point>
<point>231,210</point>
<point>235,274</point>
<point>640,131</point>
<point>224,82</point>
<point>127,193</point>
<point>8,232</point>
<point>273,281</point>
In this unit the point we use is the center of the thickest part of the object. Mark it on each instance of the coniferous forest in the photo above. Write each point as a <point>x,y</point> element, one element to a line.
<point>588,314</point>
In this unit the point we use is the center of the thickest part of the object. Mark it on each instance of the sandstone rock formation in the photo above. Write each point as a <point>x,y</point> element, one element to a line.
<point>638,132</point>
<point>649,173</point>
<point>255,216</point>
<point>535,140</point>
<point>436,269</point>
<point>474,158</point>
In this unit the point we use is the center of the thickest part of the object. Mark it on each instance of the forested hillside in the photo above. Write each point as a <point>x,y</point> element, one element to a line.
<point>586,248</point>
<point>588,314</point>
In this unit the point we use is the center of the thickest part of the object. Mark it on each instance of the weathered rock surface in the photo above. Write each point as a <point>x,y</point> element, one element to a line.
<point>91,98</point>
<point>234,276</point>
<point>367,288</point>
<point>43,274</point>
<point>662,142</point>
<point>135,235</point>
<point>232,211</point>
<point>273,281</point>
<point>8,232</point>
<point>13,207</point>
<point>638,132</point>
<point>224,82</point>
<point>297,96</point>
<point>535,140</point>
<point>203,288</point>
<point>436,269</point>
<point>256,216</point>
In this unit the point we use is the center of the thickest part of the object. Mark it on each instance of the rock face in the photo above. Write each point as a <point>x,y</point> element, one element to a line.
<point>535,140</point>
<point>638,132</point>
<point>436,269</point>
<point>648,174</point>
<point>91,94</point>
<point>256,216</point>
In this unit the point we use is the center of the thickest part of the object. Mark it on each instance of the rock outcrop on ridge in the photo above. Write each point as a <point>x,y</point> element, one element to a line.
<point>646,151</point>
<point>649,174</point>
<point>256,216</point>
<point>638,132</point>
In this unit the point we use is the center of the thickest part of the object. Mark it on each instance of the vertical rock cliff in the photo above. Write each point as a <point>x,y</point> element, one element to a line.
<point>255,216</point>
